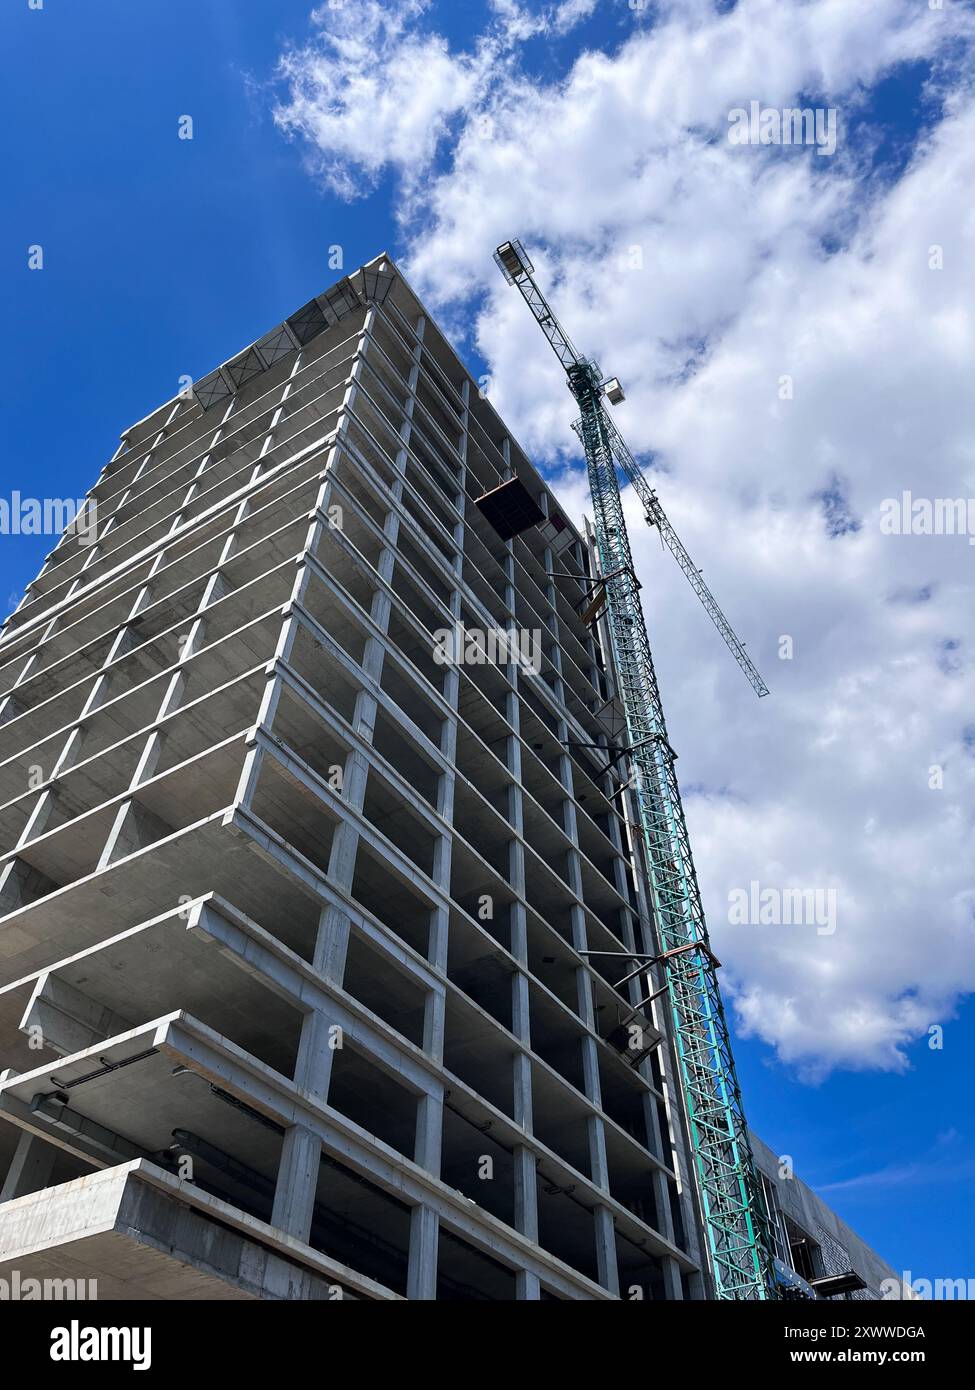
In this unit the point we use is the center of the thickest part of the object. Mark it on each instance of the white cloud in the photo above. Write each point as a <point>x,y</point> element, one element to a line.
<point>624,159</point>
<point>375,89</point>
<point>521,21</point>
<point>572,12</point>
<point>369,92</point>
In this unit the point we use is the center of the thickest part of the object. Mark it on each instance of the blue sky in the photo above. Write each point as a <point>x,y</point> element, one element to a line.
<point>163,257</point>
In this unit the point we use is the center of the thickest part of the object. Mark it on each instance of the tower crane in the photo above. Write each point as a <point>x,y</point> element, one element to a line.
<point>730,1200</point>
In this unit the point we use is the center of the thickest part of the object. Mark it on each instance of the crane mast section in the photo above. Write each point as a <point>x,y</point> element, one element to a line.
<point>728,1185</point>
<point>730,1198</point>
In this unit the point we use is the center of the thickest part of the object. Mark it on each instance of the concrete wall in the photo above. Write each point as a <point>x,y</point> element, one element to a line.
<point>840,1246</point>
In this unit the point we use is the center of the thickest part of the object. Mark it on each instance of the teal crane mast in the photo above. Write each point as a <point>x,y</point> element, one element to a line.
<point>730,1200</point>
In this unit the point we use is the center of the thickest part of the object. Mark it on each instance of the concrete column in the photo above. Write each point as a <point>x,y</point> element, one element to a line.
<point>424,1224</point>
<point>604,1231</point>
<point>424,1240</point>
<point>278,414</point>
<point>527,1286</point>
<point>525,1183</point>
<point>70,752</point>
<point>606,1265</point>
<point>670,1271</point>
<point>20,884</point>
<point>435,1009</point>
<point>332,944</point>
<point>316,1053</point>
<point>294,1193</point>
<point>38,818</point>
<point>30,1169</point>
<point>429,1133</point>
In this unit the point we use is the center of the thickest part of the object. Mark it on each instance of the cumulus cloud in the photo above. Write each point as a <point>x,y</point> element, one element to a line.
<point>797,343</point>
<point>368,92</point>
<point>374,89</point>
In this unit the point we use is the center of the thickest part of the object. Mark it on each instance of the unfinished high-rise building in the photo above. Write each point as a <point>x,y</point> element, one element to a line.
<point>308,838</point>
<point>319,865</point>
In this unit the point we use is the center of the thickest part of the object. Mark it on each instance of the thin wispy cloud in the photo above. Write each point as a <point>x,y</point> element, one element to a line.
<point>930,1173</point>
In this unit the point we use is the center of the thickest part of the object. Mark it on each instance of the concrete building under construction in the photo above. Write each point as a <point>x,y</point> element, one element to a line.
<point>311,836</point>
